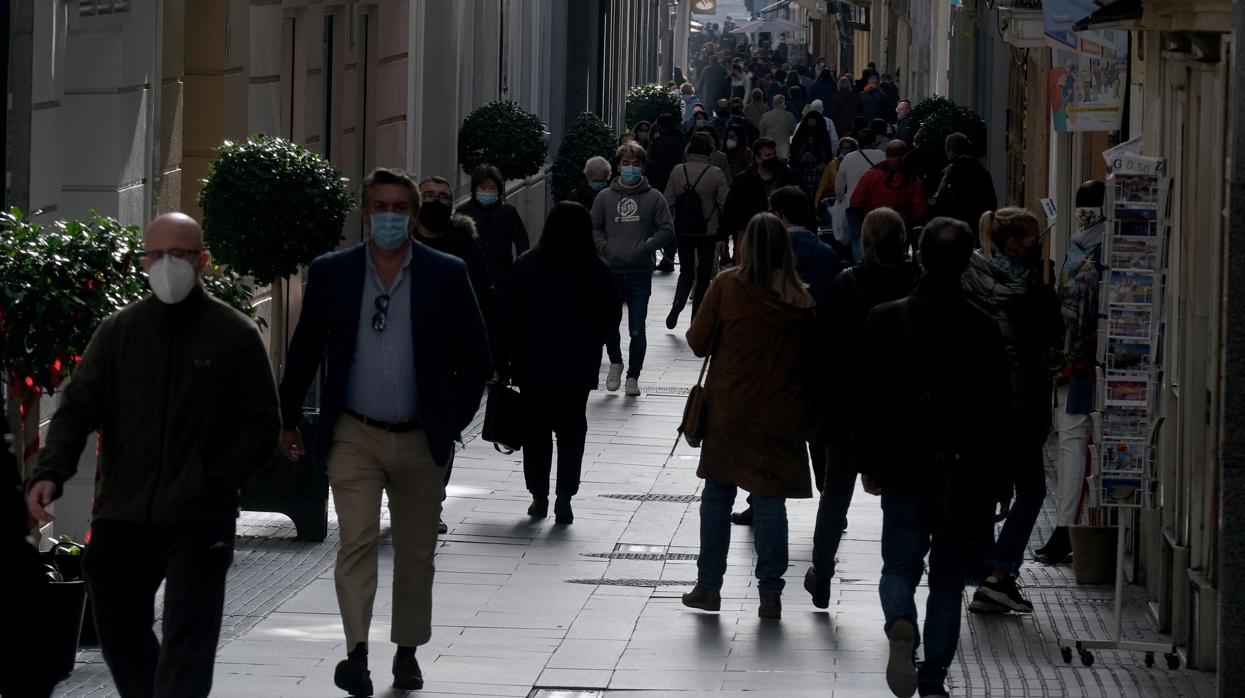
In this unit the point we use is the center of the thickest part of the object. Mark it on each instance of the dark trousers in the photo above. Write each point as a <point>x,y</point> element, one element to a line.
<point>908,535</point>
<point>1030,469</point>
<point>836,498</point>
<point>549,412</point>
<point>696,264</point>
<point>123,567</point>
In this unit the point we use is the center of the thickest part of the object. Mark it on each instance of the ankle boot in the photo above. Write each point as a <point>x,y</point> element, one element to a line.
<point>703,598</point>
<point>562,510</point>
<point>771,605</point>
<point>539,508</point>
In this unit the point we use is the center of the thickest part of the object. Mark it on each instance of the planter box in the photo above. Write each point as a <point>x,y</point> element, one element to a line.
<point>66,607</point>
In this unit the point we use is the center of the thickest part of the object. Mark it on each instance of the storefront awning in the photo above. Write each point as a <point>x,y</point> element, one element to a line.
<point>1114,14</point>
<point>775,6</point>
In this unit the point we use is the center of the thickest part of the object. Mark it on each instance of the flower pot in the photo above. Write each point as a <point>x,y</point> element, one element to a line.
<point>1093,553</point>
<point>67,603</point>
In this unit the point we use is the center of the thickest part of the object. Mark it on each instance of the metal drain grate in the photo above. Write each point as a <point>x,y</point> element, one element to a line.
<point>643,556</point>
<point>675,498</point>
<point>634,582</point>
<point>652,389</point>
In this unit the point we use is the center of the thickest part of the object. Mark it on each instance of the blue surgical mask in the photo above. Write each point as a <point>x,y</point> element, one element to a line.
<point>631,173</point>
<point>486,198</point>
<point>598,186</point>
<point>390,230</point>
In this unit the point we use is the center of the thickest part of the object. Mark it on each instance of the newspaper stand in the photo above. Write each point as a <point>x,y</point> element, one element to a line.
<point>1128,347</point>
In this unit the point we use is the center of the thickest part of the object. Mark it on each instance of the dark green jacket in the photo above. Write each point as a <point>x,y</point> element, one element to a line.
<point>186,408</point>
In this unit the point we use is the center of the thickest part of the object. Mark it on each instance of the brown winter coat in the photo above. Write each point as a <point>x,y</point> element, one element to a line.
<point>758,416</point>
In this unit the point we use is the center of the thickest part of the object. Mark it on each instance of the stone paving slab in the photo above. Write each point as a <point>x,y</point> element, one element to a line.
<point>508,622</point>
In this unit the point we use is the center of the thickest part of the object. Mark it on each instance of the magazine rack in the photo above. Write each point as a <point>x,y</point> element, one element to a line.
<point>1128,346</point>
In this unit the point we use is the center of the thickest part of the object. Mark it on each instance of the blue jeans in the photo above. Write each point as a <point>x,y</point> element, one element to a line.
<point>908,534</point>
<point>634,287</point>
<point>1009,549</point>
<point>854,220</point>
<point>769,525</point>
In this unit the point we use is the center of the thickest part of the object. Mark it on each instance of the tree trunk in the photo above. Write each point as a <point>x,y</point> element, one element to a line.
<point>278,322</point>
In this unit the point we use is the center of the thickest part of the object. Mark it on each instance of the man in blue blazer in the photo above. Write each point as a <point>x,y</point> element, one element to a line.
<point>398,328</point>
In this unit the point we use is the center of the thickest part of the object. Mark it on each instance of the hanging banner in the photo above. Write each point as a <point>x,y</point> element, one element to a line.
<point>1089,70</point>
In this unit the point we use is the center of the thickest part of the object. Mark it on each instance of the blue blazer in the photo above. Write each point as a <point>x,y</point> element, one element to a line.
<point>451,346</point>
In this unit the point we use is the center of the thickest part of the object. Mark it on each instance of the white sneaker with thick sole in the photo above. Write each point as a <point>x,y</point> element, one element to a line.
<point>901,669</point>
<point>633,387</point>
<point>613,379</point>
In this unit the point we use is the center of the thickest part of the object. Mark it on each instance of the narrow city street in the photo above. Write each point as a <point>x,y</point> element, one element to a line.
<point>530,608</point>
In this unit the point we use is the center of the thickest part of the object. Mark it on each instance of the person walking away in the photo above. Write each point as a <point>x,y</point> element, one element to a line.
<point>966,191</point>
<point>500,232</point>
<point>1079,280</point>
<point>829,207</point>
<point>818,106</point>
<point>811,151</point>
<point>844,107</point>
<point>884,275</point>
<point>749,194</point>
<point>696,195</point>
<point>740,83</point>
<point>853,167</point>
<point>1005,280</point>
<point>928,442</point>
<point>711,85</point>
<point>687,93</point>
<point>892,184</point>
<point>755,108</point>
<point>179,388</point>
<point>717,158</point>
<point>666,152</point>
<point>778,125</point>
<point>398,331</point>
<point>824,87</point>
<point>756,326</point>
<point>738,154</point>
<point>796,101</point>
<point>597,172</point>
<point>889,96</point>
<point>553,357</point>
<point>630,222</point>
<point>871,106</point>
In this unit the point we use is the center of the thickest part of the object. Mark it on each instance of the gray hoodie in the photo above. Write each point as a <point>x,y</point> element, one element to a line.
<point>630,225</point>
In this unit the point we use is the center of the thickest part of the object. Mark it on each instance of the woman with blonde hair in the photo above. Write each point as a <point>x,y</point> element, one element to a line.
<point>1005,279</point>
<point>757,325</point>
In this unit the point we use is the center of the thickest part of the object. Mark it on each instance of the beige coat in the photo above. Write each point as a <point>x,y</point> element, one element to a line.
<point>758,413</point>
<point>712,188</point>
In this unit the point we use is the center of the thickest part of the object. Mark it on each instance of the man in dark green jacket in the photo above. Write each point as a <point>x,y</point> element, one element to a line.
<point>179,388</point>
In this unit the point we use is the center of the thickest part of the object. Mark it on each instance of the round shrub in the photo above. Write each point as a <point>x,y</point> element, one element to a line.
<point>587,137</point>
<point>647,102</point>
<point>505,135</point>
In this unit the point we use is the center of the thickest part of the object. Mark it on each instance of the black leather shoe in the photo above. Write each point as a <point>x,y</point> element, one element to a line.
<point>353,677</point>
<point>539,508</point>
<point>742,518</point>
<point>665,265</point>
<point>818,587</point>
<point>406,673</point>
<point>562,511</point>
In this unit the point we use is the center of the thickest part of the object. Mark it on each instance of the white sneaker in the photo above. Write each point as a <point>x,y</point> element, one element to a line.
<point>633,387</point>
<point>613,379</point>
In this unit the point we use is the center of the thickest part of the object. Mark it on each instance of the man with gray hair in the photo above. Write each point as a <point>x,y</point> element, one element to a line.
<point>179,388</point>
<point>778,125</point>
<point>597,172</point>
<point>818,106</point>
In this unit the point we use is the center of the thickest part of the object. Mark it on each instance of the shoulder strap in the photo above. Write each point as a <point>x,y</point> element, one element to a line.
<point>713,344</point>
<point>866,157</point>
<point>697,182</point>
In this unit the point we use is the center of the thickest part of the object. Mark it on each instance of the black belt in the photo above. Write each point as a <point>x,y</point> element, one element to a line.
<point>395,427</point>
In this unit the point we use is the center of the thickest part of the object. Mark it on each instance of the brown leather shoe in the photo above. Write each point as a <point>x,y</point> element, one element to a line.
<point>771,605</point>
<point>704,598</point>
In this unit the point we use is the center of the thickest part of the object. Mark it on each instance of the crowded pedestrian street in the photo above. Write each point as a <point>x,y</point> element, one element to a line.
<point>531,608</point>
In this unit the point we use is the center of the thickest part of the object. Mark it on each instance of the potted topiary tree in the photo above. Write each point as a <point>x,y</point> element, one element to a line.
<point>647,102</point>
<point>67,602</point>
<point>269,207</point>
<point>935,119</point>
<point>505,135</point>
<point>589,136</point>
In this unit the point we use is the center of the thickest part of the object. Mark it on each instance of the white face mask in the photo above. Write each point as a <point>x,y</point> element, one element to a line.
<point>1086,216</point>
<point>171,279</point>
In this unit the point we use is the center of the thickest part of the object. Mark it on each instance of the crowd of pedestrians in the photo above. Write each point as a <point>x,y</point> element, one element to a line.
<point>830,289</point>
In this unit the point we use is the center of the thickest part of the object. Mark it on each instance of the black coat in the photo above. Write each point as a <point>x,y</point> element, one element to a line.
<point>871,105</point>
<point>823,90</point>
<point>663,155</point>
<point>583,194</point>
<point>966,192</point>
<point>460,241</point>
<point>961,352</point>
<point>748,197</point>
<point>501,236</point>
<point>1027,313</point>
<point>554,320</point>
<point>843,108</point>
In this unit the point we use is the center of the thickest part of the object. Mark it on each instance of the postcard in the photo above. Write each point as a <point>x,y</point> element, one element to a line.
<point>1136,222</point>
<point>1124,456</point>
<point>1128,389</point>
<point>1131,288</point>
<point>1136,190</point>
<point>1121,491</point>
<point>1126,422</point>
<point>1127,322</point>
<point>1134,253</point>
<point>1124,354</point>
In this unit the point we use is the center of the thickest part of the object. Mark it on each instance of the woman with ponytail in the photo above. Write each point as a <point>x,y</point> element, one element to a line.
<point>1005,279</point>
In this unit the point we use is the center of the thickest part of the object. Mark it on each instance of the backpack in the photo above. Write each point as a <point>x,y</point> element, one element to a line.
<point>689,216</point>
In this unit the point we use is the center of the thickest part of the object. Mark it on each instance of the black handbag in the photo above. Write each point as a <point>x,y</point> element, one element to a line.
<point>503,419</point>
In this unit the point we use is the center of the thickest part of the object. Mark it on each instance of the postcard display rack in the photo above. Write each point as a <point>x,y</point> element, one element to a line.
<point>1129,336</point>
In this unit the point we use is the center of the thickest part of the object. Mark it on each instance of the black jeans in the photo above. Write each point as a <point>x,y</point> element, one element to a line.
<point>1029,464</point>
<point>696,263</point>
<point>836,498</point>
<point>123,567</point>
<point>554,411</point>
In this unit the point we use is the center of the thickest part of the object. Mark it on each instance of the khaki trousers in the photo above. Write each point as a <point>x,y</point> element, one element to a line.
<point>363,462</point>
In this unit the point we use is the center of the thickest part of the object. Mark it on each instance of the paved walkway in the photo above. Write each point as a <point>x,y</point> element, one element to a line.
<point>528,608</point>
